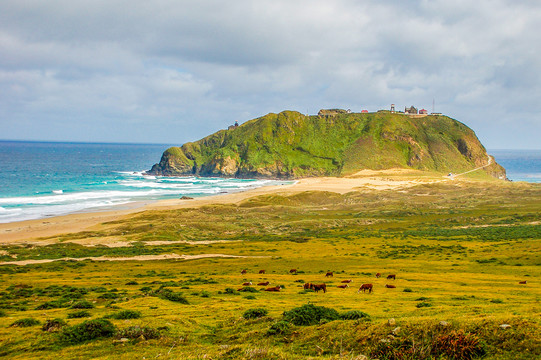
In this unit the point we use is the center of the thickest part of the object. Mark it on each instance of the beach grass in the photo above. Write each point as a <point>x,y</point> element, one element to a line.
<point>458,250</point>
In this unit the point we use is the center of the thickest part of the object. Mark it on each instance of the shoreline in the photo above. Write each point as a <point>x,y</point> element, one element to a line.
<point>42,231</point>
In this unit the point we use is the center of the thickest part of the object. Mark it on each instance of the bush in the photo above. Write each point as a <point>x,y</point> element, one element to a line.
<point>407,290</point>
<point>83,304</point>
<point>250,297</point>
<point>55,304</point>
<point>280,328</point>
<point>497,301</point>
<point>255,313</point>
<point>249,289</point>
<point>205,294</point>
<point>458,345</point>
<point>168,294</point>
<point>53,325</point>
<point>26,322</point>
<point>423,304</point>
<point>132,283</point>
<point>78,314</point>
<point>354,315</point>
<point>231,291</point>
<point>87,330</point>
<point>2,313</point>
<point>134,332</point>
<point>125,314</point>
<point>310,315</point>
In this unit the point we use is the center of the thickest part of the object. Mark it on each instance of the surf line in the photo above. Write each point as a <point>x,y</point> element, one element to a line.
<point>132,258</point>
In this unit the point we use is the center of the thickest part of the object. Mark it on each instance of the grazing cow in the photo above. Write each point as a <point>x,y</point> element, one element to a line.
<point>263,283</point>
<point>293,271</point>
<point>261,271</point>
<point>390,286</point>
<point>244,271</point>
<point>307,286</point>
<point>316,287</point>
<point>365,287</point>
<point>522,282</point>
<point>378,275</point>
<point>391,277</point>
<point>329,274</point>
<point>345,281</point>
<point>276,288</point>
<point>247,283</point>
<point>342,286</point>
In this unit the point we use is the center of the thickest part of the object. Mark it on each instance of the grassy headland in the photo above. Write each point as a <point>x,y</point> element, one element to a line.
<point>458,249</point>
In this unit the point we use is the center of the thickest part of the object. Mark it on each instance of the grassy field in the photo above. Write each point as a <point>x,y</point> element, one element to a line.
<point>458,251</point>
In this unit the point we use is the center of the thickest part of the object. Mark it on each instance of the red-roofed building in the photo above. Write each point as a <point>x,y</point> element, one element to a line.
<point>423,111</point>
<point>364,111</point>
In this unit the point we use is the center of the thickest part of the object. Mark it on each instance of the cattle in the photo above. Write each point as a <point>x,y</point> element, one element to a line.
<point>244,271</point>
<point>263,283</point>
<point>247,283</point>
<point>293,271</point>
<point>307,286</point>
<point>276,288</point>
<point>342,286</point>
<point>365,287</point>
<point>345,281</point>
<point>329,274</point>
<point>316,287</point>
<point>261,271</point>
<point>522,282</point>
<point>391,277</point>
<point>378,275</point>
<point>390,286</point>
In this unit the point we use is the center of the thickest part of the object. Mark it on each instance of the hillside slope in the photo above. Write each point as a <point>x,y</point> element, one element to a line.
<point>293,145</point>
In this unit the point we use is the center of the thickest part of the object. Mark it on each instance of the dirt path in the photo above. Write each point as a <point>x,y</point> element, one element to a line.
<point>490,161</point>
<point>131,258</point>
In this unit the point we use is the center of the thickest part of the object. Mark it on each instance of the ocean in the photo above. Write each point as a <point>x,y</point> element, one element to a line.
<point>43,179</point>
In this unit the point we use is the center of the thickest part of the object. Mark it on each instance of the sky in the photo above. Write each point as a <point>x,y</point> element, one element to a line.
<point>169,71</point>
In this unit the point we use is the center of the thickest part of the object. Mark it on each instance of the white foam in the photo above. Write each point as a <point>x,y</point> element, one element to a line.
<point>58,191</point>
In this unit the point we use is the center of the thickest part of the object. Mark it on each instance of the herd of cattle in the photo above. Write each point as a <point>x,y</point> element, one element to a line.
<point>318,287</point>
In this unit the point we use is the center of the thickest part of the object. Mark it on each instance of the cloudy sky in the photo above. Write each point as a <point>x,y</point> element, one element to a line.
<point>170,71</point>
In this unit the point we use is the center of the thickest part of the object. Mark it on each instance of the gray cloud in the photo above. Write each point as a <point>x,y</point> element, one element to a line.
<point>169,71</point>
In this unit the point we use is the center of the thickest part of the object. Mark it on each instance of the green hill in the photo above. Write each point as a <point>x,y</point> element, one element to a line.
<point>293,145</point>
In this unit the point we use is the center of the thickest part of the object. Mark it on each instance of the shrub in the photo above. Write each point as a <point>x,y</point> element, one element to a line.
<point>354,315</point>
<point>168,294</point>
<point>53,325</point>
<point>407,290</point>
<point>250,297</point>
<point>83,304</point>
<point>134,332</point>
<point>497,301</point>
<point>79,314</point>
<point>2,313</point>
<point>249,289</point>
<point>423,304</point>
<point>255,313</point>
<point>87,330</point>
<point>26,322</point>
<point>146,290</point>
<point>125,314</point>
<point>205,294</point>
<point>55,304</point>
<point>458,345</point>
<point>231,291</point>
<point>310,315</point>
<point>132,283</point>
<point>280,328</point>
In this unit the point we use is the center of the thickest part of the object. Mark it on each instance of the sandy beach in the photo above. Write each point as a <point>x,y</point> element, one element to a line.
<point>43,231</point>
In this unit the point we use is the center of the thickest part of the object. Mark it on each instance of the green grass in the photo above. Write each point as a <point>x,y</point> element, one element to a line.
<point>458,252</point>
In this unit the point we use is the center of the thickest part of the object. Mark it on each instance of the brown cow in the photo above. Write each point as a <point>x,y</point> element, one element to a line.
<point>247,283</point>
<point>390,286</point>
<point>378,275</point>
<point>276,288</point>
<point>391,277</point>
<point>342,286</point>
<point>261,271</point>
<point>244,271</point>
<point>329,274</point>
<point>263,283</point>
<point>307,286</point>
<point>293,271</point>
<point>522,282</point>
<point>365,287</point>
<point>316,287</point>
<point>345,281</point>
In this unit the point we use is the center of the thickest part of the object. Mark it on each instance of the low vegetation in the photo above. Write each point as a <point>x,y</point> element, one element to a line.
<point>457,290</point>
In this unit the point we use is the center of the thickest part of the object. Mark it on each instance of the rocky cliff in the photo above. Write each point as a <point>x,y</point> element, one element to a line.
<point>292,145</point>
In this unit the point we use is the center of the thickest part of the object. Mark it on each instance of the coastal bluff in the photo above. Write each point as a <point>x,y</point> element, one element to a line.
<point>290,145</point>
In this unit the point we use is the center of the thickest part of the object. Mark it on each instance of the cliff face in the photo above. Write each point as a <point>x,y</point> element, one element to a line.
<point>291,145</point>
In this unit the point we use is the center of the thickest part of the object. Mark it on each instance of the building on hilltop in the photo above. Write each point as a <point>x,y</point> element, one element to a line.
<point>364,111</point>
<point>411,110</point>
<point>333,112</point>
<point>423,111</point>
<point>392,108</point>
<point>233,127</point>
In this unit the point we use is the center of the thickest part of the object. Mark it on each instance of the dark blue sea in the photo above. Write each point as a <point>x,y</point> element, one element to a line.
<point>42,179</point>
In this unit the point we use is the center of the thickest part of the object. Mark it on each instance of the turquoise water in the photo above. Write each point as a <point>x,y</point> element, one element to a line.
<point>40,179</point>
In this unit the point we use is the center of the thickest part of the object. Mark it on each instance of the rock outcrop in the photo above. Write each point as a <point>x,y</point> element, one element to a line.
<point>291,145</point>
